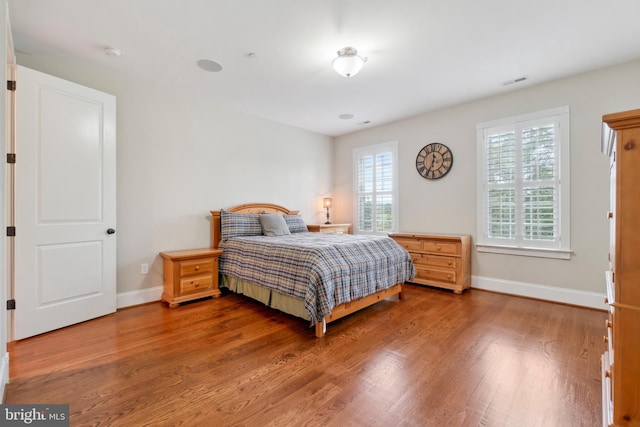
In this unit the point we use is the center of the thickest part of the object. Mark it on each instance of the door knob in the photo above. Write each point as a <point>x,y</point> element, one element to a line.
<point>111,231</point>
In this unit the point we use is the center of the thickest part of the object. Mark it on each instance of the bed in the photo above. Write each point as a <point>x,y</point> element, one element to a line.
<point>269,255</point>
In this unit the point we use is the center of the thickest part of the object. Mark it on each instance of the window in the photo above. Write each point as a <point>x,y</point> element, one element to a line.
<point>523,188</point>
<point>375,189</point>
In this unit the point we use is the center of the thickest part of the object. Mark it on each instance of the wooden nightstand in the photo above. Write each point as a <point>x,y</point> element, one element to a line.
<point>329,228</point>
<point>190,275</point>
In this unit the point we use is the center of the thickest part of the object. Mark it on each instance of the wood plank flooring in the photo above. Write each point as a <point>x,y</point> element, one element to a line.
<point>432,359</point>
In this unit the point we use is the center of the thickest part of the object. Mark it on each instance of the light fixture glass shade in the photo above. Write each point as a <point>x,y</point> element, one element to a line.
<point>327,202</point>
<point>348,63</point>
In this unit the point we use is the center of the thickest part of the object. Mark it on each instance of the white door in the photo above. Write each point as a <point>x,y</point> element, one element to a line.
<point>65,203</point>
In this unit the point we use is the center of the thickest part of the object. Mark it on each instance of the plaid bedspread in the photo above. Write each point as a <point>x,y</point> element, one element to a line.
<point>323,270</point>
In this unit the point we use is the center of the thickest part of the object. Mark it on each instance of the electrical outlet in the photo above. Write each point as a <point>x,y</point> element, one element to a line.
<point>144,268</point>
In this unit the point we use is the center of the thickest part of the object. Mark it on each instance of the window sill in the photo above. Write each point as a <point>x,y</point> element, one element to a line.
<point>531,252</point>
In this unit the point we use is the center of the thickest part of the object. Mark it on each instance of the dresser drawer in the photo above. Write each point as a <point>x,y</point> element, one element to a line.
<point>435,274</point>
<point>607,404</point>
<point>196,284</point>
<point>197,266</point>
<point>435,261</point>
<point>412,245</point>
<point>437,247</point>
<point>609,337</point>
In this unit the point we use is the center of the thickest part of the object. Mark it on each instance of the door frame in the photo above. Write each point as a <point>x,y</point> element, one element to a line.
<point>7,138</point>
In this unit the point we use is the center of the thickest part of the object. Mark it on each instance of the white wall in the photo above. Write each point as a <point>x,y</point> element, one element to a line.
<point>449,205</point>
<point>179,158</point>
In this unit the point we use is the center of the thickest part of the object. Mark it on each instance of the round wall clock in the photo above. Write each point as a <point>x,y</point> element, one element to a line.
<point>434,161</point>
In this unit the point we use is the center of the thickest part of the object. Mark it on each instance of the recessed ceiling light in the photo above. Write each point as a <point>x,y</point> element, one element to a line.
<point>112,51</point>
<point>346,116</point>
<point>209,65</point>
<point>252,55</point>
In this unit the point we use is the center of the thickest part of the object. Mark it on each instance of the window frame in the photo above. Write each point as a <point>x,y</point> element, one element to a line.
<point>373,150</point>
<point>560,248</point>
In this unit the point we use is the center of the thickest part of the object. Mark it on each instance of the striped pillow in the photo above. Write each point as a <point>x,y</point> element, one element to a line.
<point>295,223</point>
<point>236,225</point>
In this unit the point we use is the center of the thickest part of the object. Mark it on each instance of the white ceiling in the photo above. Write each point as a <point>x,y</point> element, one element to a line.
<point>422,54</point>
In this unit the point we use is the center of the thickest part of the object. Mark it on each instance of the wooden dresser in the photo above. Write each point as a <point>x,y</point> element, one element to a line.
<point>189,275</point>
<point>621,360</point>
<point>329,228</point>
<point>441,260</point>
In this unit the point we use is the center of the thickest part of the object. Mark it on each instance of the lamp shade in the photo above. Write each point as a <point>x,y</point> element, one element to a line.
<point>348,63</point>
<point>327,202</point>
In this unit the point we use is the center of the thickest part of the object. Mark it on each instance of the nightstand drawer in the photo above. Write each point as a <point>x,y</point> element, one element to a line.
<point>433,260</point>
<point>435,274</point>
<point>436,247</point>
<point>196,284</point>
<point>196,266</point>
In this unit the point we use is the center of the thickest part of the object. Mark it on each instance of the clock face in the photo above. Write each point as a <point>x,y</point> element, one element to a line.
<point>434,161</point>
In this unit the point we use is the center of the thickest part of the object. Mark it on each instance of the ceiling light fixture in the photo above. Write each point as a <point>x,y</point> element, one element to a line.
<point>348,62</point>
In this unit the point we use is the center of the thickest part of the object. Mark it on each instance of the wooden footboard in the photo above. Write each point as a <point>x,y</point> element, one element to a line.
<point>353,306</point>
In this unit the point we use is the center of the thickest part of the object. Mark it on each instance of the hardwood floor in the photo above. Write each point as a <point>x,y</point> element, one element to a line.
<point>432,359</point>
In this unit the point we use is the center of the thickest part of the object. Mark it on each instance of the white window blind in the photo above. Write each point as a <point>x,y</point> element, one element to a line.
<point>375,190</point>
<point>523,188</point>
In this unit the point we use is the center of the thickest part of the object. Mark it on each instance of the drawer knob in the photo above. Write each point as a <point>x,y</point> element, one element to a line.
<point>449,263</point>
<point>607,323</point>
<point>197,268</point>
<point>438,248</point>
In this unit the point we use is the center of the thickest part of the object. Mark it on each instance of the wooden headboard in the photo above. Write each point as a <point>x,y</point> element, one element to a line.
<point>247,208</point>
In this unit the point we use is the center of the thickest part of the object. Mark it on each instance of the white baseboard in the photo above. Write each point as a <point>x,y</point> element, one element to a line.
<point>4,375</point>
<point>542,292</point>
<point>529,290</point>
<point>128,299</point>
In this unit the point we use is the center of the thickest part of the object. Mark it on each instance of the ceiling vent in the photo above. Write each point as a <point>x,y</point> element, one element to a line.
<point>518,80</point>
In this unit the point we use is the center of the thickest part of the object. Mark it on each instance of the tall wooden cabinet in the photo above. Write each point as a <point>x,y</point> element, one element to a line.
<point>621,360</point>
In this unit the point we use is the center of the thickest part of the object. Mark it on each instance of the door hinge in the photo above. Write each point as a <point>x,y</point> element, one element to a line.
<point>11,157</point>
<point>11,231</point>
<point>11,85</point>
<point>11,304</point>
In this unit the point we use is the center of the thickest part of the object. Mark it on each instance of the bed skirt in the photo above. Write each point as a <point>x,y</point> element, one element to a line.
<point>273,299</point>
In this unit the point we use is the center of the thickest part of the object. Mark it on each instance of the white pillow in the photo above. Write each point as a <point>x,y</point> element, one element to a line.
<point>274,225</point>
